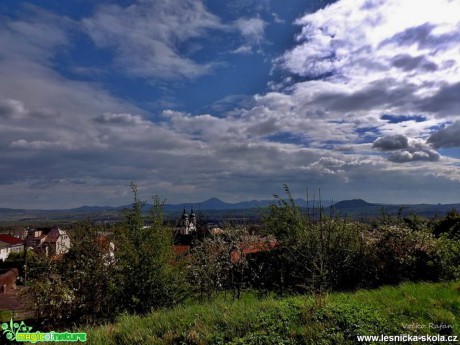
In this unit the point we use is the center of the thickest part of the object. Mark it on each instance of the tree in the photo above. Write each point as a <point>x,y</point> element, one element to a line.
<point>79,287</point>
<point>144,258</point>
<point>129,268</point>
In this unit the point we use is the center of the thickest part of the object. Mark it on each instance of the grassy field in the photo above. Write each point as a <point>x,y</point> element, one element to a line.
<point>330,319</point>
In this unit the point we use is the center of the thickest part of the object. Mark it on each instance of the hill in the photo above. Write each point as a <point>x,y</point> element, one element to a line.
<point>337,318</point>
<point>355,203</point>
<point>217,210</point>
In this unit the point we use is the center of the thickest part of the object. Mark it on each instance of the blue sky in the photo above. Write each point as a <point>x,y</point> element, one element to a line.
<point>196,99</point>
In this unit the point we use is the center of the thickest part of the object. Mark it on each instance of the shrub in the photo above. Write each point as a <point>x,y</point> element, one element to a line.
<point>313,255</point>
<point>449,225</point>
<point>398,253</point>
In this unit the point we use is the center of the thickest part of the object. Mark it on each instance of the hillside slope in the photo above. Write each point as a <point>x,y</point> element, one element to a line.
<point>333,319</point>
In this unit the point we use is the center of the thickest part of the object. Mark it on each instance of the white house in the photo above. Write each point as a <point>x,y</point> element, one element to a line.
<point>48,241</point>
<point>9,244</point>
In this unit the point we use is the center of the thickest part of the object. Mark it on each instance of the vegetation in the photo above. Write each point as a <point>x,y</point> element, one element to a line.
<point>148,280</point>
<point>130,269</point>
<point>321,319</point>
<point>89,284</point>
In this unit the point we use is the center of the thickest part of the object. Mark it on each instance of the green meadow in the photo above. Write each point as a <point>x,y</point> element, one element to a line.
<point>336,318</point>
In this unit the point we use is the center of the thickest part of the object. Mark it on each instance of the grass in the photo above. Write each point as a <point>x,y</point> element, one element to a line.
<point>330,319</point>
<point>5,315</point>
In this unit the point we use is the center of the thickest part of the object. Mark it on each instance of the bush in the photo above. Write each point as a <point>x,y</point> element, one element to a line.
<point>449,253</point>
<point>313,255</point>
<point>448,225</point>
<point>398,254</point>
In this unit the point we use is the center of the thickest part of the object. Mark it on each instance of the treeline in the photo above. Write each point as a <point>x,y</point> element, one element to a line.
<point>130,268</point>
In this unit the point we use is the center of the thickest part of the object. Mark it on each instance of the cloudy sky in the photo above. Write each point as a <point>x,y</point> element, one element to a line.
<point>194,99</point>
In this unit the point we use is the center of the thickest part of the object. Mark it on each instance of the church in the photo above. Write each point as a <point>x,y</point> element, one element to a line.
<point>187,223</point>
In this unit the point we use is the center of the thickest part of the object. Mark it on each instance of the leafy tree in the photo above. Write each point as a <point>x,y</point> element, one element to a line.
<point>209,266</point>
<point>129,268</point>
<point>89,270</point>
<point>218,263</point>
<point>80,286</point>
<point>449,225</point>
<point>145,260</point>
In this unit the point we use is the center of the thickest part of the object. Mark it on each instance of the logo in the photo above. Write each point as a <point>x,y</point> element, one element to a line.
<point>21,333</point>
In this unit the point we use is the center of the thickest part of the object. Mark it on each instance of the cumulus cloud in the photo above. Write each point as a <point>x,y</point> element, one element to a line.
<point>412,62</point>
<point>37,34</point>
<point>252,30</point>
<point>404,156</point>
<point>446,137</point>
<point>391,142</point>
<point>404,149</point>
<point>409,63</point>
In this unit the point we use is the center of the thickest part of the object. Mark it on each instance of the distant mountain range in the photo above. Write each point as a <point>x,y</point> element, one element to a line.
<point>350,208</point>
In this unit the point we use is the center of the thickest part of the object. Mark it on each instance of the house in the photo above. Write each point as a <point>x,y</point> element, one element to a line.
<point>48,241</point>
<point>9,244</point>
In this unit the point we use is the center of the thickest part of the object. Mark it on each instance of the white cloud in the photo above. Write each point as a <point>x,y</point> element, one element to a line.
<point>252,29</point>
<point>147,36</point>
<point>244,50</point>
<point>60,136</point>
<point>362,43</point>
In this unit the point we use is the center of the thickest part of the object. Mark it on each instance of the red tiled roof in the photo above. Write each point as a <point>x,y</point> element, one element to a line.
<point>52,235</point>
<point>246,249</point>
<point>10,239</point>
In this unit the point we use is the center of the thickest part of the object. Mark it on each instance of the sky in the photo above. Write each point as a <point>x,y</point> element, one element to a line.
<point>195,99</point>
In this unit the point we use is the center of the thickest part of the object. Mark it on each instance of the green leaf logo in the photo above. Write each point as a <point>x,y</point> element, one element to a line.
<point>13,328</point>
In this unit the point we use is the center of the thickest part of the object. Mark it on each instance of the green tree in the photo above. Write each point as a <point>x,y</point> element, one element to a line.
<point>144,258</point>
<point>80,286</point>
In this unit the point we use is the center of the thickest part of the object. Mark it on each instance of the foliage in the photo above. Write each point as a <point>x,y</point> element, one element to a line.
<point>132,269</point>
<point>144,260</point>
<point>325,253</point>
<point>327,319</point>
<point>209,267</point>
<point>398,253</point>
<point>89,270</point>
<point>449,225</point>
<point>78,286</point>
<point>107,272</point>
<point>284,219</point>
<point>218,264</point>
<point>18,260</point>
<point>314,254</point>
<point>449,253</point>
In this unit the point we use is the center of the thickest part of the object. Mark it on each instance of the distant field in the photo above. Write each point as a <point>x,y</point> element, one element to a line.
<point>331,319</point>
